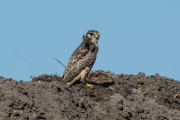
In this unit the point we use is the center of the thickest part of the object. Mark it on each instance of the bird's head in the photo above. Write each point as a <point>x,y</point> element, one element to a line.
<point>93,36</point>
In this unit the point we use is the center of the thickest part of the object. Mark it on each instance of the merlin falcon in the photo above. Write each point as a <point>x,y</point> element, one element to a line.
<point>82,59</point>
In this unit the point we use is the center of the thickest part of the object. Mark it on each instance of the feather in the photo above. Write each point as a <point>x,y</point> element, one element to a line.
<point>84,56</point>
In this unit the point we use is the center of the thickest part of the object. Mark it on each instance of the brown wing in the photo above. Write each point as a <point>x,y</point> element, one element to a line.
<point>78,53</point>
<point>83,56</point>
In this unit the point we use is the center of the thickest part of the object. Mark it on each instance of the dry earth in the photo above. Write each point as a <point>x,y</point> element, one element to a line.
<point>115,97</point>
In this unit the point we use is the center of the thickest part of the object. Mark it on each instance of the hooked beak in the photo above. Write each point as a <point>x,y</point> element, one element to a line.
<point>96,36</point>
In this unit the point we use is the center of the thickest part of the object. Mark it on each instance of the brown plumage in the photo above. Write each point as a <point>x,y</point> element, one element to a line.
<point>82,59</point>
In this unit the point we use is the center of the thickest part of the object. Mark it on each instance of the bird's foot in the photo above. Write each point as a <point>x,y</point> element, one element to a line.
<point>90,85</point>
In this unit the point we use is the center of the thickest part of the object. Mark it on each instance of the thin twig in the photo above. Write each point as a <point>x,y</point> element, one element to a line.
<point>59,62</point>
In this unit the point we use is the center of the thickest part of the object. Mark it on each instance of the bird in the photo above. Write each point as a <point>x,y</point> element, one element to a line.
<point>82,59</point>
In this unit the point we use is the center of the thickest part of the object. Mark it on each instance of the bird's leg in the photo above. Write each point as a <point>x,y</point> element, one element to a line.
<point>74,80</point>
<point>177,95</point>
<point>84,78</point>
<point>81,76</point>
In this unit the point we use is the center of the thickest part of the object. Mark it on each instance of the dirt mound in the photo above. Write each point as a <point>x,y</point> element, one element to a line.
<point>116,97</point>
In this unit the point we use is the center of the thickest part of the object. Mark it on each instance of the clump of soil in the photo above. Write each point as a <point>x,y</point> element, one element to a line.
<point>115,97</point>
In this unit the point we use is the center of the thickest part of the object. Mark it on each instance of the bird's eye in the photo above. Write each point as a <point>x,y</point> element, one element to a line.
<point>91,34</point>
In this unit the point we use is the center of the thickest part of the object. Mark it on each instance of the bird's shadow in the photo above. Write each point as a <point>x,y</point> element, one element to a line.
<point>104,84</point>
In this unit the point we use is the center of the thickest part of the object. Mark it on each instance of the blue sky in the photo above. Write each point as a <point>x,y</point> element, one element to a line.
<point>136,36</point>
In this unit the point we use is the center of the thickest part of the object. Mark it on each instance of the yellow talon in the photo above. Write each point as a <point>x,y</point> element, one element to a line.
<point>90,85</point>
